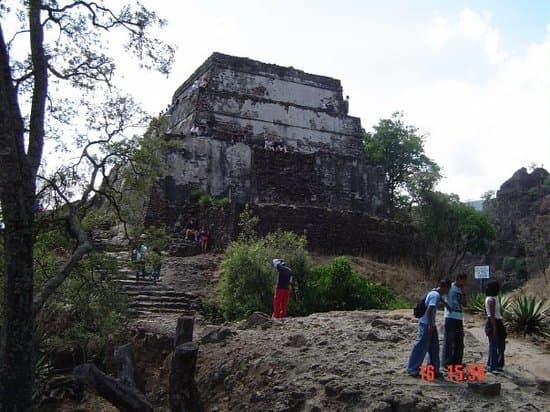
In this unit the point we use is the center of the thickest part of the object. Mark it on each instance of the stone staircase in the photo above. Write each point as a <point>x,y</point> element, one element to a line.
<point>146,296</point>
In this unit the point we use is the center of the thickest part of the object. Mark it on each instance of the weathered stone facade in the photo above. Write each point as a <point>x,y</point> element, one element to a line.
<point>269,139</point>
<point>281,140</point>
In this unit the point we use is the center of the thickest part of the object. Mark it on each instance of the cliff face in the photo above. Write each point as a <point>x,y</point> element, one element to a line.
<point>521,215</point>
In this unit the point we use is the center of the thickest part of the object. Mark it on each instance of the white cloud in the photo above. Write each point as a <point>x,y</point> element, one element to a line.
<point>481,132</point>
<point>469,25</point>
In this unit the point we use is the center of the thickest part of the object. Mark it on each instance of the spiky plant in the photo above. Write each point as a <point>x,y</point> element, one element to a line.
<point>476,303</point>
<point>530,316</point>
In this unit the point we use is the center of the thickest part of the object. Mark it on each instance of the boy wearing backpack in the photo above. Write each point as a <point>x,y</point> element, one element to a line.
<point>428,339</point>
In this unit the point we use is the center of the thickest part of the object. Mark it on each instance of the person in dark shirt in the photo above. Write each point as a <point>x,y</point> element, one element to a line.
<point>280,300</point>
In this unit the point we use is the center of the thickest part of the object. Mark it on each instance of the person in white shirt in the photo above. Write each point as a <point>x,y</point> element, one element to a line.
<point>494,328</point>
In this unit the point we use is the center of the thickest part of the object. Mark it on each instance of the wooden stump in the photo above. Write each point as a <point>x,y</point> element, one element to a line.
<point>184,395</point>
<point>124,356</point>
<point>184,330</point>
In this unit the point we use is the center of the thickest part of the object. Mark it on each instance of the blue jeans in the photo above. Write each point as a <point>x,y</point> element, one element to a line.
<point>426,343</point>
<point>497,346</point>
<point>453,343</point>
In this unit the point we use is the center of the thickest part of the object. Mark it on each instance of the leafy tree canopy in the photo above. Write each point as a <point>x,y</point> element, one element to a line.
<point>400,150</point>
<point>451,229</point>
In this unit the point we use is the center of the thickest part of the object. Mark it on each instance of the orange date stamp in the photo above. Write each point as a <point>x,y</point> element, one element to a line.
<point>456,373</point>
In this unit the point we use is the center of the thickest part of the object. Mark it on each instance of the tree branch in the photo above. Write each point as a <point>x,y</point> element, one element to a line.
<point>84,246</point>
<point>40,89</point>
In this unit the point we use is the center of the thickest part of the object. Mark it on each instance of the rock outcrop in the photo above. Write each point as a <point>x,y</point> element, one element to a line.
<point>521,215</point>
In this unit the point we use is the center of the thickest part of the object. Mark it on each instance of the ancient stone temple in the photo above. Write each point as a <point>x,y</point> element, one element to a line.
<point>275,137</point>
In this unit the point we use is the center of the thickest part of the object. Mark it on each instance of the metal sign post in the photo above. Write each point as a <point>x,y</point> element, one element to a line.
<point>482,273</point>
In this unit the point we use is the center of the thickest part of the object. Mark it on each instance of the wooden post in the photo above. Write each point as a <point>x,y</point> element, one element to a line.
<point>124,356</point>
<point>184,395</point>
<point>184,330</point>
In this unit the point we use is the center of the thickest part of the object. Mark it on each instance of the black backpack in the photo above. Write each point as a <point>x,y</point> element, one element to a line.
<point>420,307</point>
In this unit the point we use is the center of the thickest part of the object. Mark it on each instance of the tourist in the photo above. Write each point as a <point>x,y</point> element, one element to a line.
<point>192,230</point>
<point>195,85</point>
<point>428,339</point>
<point>203,239</point>
<point>453,342</point>
<point>156,264</point>
<point>494,328</point>
<point>139,254</point>
<point>280,300</point>
<point>194,131</point>
<point>204,84</point>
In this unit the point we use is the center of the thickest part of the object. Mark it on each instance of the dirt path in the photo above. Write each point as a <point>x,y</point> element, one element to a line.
<point>522,358</point>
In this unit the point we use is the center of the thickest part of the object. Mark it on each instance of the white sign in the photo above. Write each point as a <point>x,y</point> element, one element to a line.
<point>481,272</point>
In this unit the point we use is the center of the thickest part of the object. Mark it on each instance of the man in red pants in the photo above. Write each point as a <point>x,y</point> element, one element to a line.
<point>280,300</point>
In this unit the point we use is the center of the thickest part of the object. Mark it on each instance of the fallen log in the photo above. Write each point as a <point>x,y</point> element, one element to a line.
<point>125,397</point>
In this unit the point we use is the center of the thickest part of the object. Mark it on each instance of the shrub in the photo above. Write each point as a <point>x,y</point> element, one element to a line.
<point>248,276</point>
<point>205,200</point>
<point>530,316</point>
<point>220,201</point>
<point>195,195</point>
<point>337,287</point>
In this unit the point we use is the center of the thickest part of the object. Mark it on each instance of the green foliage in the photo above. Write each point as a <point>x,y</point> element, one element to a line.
<point>476,303</point>
<point>195,195</point>
<point>337,287</point>
<point>157,237</point>
<point>247,224</point>
<point>87,309</point>
<point>248,276</point>
<point>530,316</point>
<point>400,149</point>
<point>248,281</point>
<point>203,199</point>
<point>451,229</point>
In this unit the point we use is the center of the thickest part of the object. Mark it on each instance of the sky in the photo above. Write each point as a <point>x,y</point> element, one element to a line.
<point>472,76</point>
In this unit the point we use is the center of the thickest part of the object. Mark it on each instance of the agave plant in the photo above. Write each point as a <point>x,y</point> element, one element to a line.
<point>530,316</point>
<point>476,303</point>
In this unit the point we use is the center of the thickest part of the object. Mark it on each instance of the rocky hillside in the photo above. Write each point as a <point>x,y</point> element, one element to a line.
<point>521,215</point>
<point>337,361</point>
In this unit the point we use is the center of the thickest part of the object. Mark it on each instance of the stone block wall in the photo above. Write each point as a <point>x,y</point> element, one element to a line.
<point>269,138</point>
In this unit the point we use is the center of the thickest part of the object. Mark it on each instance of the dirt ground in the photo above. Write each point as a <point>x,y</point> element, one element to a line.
<point>346,361</point>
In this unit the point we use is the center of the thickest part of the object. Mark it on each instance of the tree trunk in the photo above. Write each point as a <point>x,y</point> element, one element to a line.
<point>184,395</point>
<point>17,189</point>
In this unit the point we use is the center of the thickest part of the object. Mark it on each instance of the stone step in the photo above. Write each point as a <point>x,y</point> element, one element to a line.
<point>136,284</point>
<point>145,312</point>
<point>162,293</point>
<point>149,305</point>
<point>161,299</point>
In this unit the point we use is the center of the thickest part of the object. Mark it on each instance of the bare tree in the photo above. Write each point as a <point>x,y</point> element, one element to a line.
<point>66,44</point>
